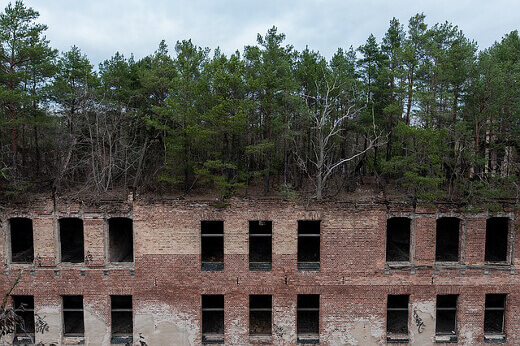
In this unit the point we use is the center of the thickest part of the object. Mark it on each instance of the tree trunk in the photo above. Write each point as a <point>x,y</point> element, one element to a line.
<point>410,93</point>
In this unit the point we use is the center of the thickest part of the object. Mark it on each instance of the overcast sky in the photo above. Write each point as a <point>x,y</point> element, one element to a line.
<point>102,27</point>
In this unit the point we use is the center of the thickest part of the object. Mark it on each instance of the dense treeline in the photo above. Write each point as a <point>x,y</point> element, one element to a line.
<point>422,111</point>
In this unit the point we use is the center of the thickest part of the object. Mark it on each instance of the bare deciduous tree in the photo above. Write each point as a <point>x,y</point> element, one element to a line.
<point>328,122</point>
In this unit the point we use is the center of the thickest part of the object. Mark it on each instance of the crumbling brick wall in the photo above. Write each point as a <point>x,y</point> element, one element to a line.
<point>166,281</point>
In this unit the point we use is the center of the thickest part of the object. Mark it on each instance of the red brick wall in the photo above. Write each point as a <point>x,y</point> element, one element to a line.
<point>353,281</point>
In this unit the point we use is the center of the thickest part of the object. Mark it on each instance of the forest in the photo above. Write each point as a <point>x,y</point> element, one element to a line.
<point>421,112</point>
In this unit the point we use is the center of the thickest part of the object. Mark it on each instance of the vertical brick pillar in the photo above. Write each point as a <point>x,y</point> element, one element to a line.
<point>94,238</point>
<point>236,319</point>
<point>425,240</point>
<point>470,317</point>
<point>475,240</point>
<point>45,241</point>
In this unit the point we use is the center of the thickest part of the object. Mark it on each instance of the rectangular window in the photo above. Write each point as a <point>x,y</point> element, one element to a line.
<point>308,245</point>
<point>446,320</point>
<point>260,314</point>
<point>496,239</point>
<point>212,318</point>
<point>24,307</point>
<point>121,319</point>
<point>22,247</point>
<point>73,322</point>
<point>260,245</point>
<point>212,245</point>
<point>397,318</point>
<point>398,239</point>
<point>494,316</point>
<point>71,240</point>
<point>308,318</point>
<point>447,240</point>
<point>121,239</point>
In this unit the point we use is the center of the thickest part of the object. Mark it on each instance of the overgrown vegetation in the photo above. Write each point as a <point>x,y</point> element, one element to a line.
<point>9,319</point>
<point>423,111</point>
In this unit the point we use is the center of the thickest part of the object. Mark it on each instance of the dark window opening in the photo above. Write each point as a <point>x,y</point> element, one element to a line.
<point>308,318</point>
<point>213,318</point>
<point>260,245</point>
<point>22,245</point>
<point>446,320</point>
<point>212,245</point>
<point>447,240</point>
<point>496,239</point>
<point>71,240</point>
<point>73,321</point>
<point>308,245</point>
<point>494,314</point>
<point>398,239</point>
<point>121,319</point>
<point>24,307</point>
<point>260,314</point>
<point>397,318</point>
<point>121,239</point>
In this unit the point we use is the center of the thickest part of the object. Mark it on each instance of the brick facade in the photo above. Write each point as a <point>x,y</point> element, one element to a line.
<point>166,282</point>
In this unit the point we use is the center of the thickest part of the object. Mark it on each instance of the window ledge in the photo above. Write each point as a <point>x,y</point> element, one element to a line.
<point>23,339</point>
<point>260,266</point>
<point>494,339</point>
<point>315,266</point>
<point>122,339</point>
<point>446,339</point>
<point>212,338</point>
<point>499,263</point>
<point>212,266</point>
<point>73,340</point>
<point>397,339</point>
<point>121,264</point>
<point>261,339</point>
<point>455,264</point>
<point>69,265</point>
<point>310,338</point>
<point>403,264</point>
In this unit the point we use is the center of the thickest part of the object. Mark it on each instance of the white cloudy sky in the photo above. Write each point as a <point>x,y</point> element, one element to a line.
<point>102,27</point>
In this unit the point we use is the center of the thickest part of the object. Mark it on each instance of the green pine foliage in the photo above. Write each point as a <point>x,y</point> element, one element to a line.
<point>420,110</point>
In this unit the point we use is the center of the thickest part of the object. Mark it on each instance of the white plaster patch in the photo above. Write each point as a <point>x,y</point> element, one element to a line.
<point>50,315</point>
<point>161,324</point>
<point>284,328</point>
<point>364,331</point>
<point>422,322</point>
<point>425,307</point>
<point>48,309</point>
<point>237,330</point>
<point>467,335</point>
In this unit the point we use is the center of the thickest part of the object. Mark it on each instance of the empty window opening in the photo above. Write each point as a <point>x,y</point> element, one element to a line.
<point>496,239</point>
<point>213,318</point>
<point>260,314</point>
<point>398,239</point>
<point>308,317</point>
<point>73,322</point>
<point>212,245</point>
<point>308,245</point>
<point>260,245</point>
<point>22,246</point>
<point>24,307</point>
<point>71,240</point>
<point>446,319</point>
<point>121,319</point>
<point>397,318</point>
<point>494,314</point>
<point>447,240</point>
<point>121,239</point>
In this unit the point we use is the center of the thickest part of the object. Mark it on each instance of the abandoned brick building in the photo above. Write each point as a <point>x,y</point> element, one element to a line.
<point>184,272</point>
